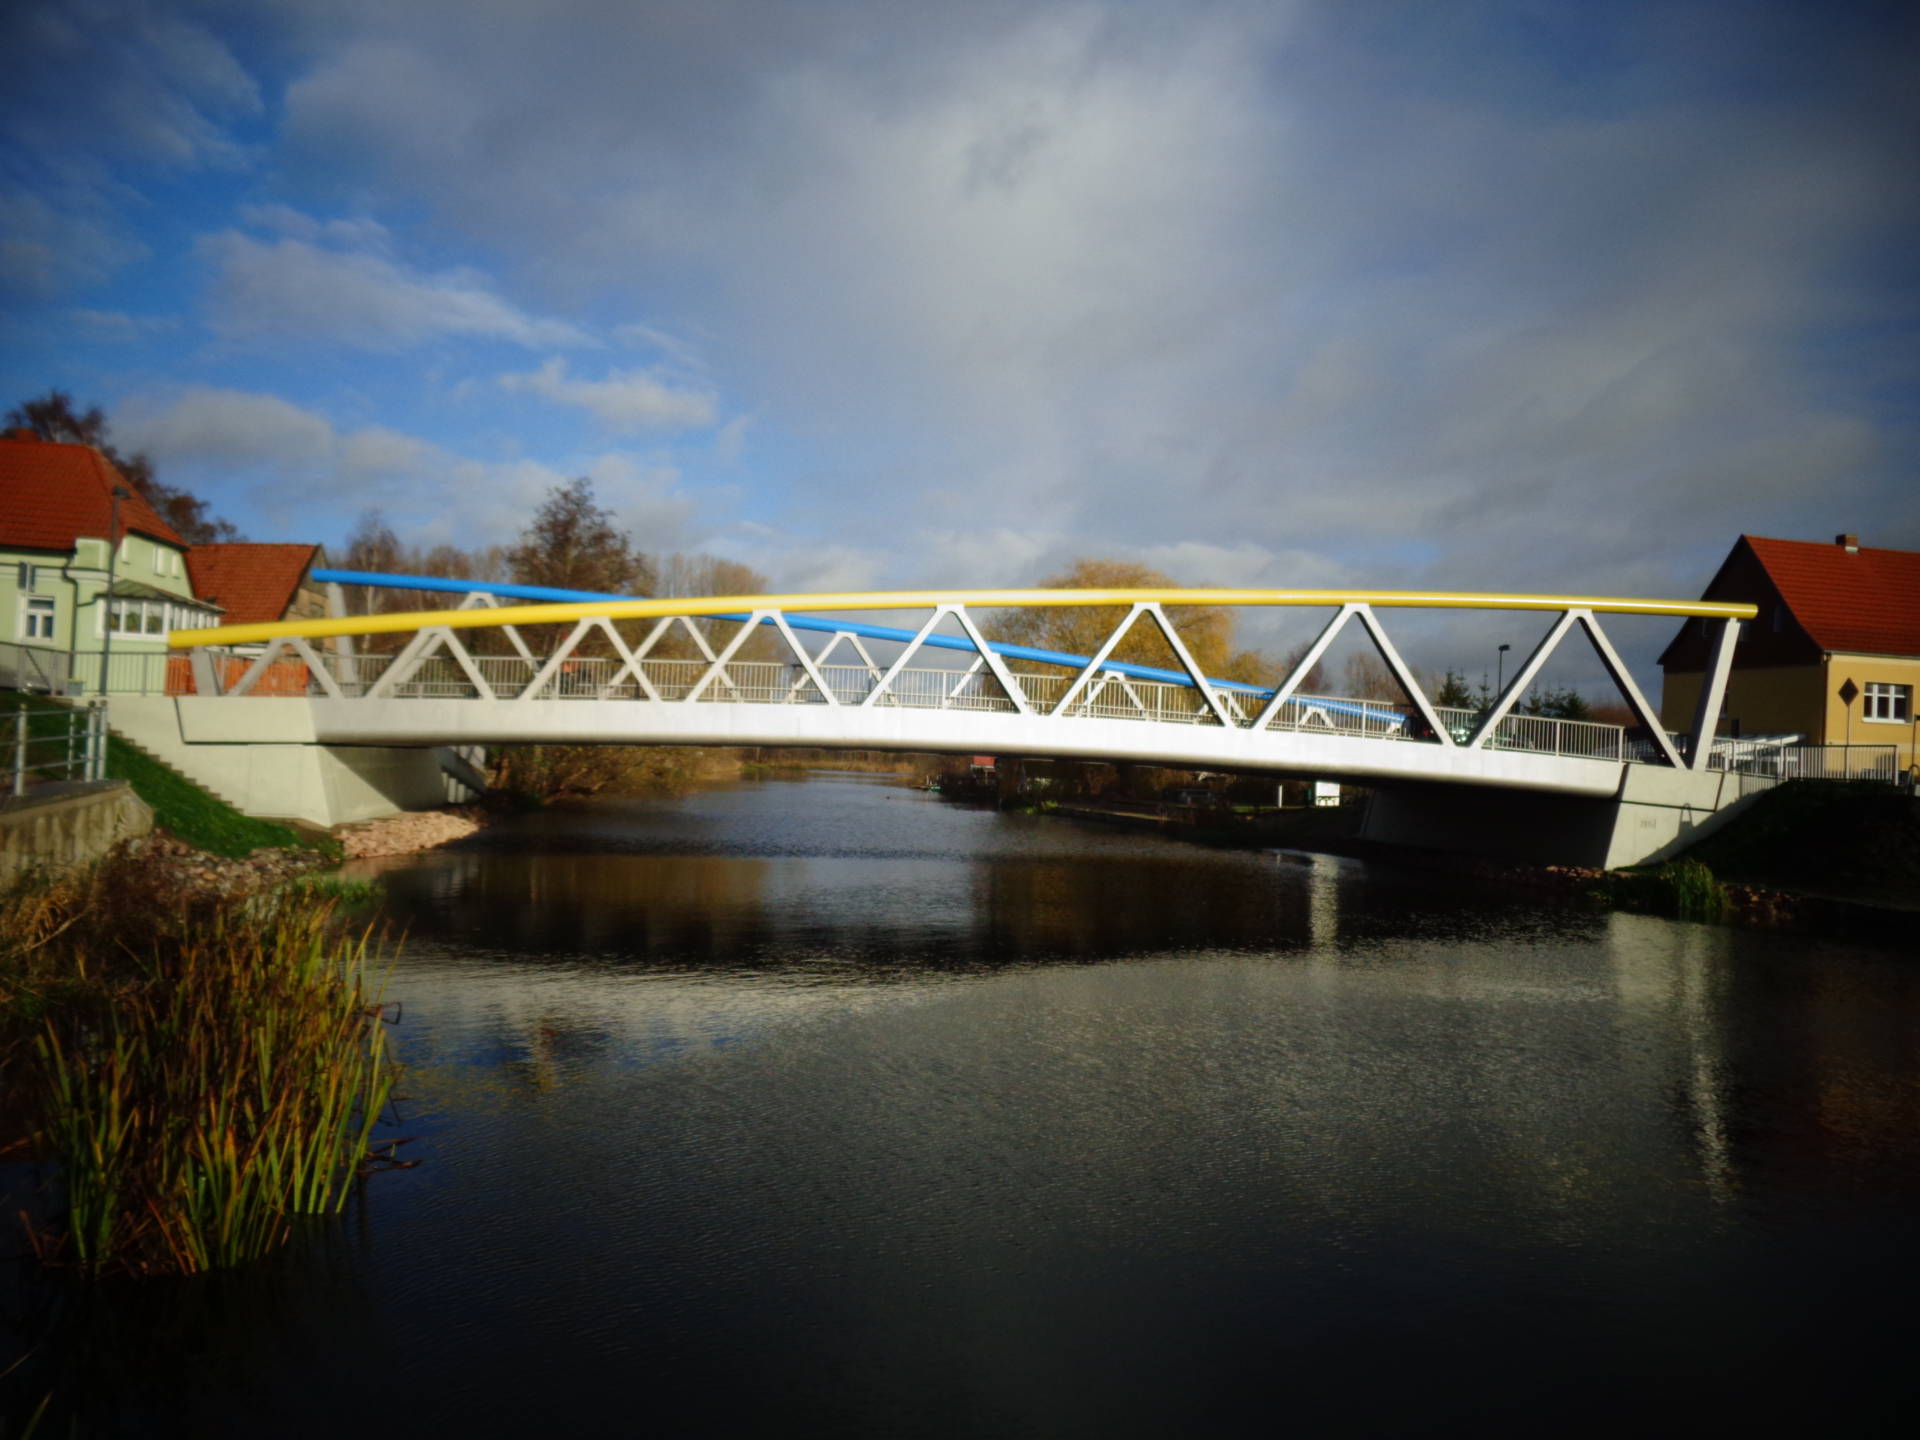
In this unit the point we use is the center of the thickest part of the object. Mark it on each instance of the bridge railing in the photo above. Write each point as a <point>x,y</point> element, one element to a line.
<point>1108,697</point>
<point>1878,764</point>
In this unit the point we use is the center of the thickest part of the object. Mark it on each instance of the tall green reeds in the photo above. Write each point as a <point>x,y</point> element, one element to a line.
<point>1686,889</point>
<point>231,1086</point>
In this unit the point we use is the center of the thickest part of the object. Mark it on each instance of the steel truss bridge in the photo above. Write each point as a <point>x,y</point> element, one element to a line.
<point>473,675</point>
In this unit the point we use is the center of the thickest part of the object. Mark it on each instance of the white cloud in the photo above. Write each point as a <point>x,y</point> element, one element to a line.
<point>292,289</point>
<point>120,327</point>
<point>627,400</point>
<point>356,233</point>
<point>260,451</point>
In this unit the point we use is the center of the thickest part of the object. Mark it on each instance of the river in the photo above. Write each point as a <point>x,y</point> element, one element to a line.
<point>822,1107</point>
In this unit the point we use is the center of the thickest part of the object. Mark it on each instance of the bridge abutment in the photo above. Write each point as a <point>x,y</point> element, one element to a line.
<point>1657,813</point>
<point>274,767</point>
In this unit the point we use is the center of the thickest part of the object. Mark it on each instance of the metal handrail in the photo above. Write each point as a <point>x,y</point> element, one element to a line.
<point>72,742</point>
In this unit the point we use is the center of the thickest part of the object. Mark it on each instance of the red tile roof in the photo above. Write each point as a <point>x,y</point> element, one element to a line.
<point>1866,602</point>
<point>52,494</point>
<point>252,583</point>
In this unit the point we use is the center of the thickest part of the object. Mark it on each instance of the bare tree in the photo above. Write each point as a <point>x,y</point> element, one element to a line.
<point>53,417</point>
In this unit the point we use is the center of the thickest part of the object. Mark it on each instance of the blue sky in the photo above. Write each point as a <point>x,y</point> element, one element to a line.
<point>1527,295</point>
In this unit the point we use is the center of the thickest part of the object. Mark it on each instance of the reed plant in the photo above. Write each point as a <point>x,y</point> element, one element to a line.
<point>1684,888</point>
<point>228,1082</point>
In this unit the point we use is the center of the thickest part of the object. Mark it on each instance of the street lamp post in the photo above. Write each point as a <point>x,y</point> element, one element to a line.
<point>120,492</point>
<point>1500,671</point>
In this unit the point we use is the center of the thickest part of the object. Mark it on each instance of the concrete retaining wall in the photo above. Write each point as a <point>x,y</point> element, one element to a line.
<point>69,829</point>
<point>284,774</point>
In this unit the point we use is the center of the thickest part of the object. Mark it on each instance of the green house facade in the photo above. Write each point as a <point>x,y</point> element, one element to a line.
<point>90,582</point>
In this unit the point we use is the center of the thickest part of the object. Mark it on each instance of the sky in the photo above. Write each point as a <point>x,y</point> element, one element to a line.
<point>875,294</point>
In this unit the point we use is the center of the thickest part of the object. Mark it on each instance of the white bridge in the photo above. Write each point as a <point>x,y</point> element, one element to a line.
<point>474,676</point>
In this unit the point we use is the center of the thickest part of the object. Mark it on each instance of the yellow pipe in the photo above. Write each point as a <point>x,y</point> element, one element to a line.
<point>926,600</point>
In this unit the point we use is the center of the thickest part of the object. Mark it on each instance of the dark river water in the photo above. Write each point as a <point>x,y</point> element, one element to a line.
<point>824,1108</point>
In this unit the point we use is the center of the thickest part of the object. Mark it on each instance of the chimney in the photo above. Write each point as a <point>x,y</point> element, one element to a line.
<point>23,433</point>
<point>1851,542</point>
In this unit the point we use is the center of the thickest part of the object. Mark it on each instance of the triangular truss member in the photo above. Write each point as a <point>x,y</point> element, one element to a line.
<point>554,671</point>
<point>1403,677</point>
<point>716,669</point>
<point>966,677</point>
<point>266,657</point>
<point>316,667</point>
<point>848,638</point>
<point>1200,681</point>
<point>480,600</point>
<point>884,682</point>
<point>700,643</point>
<point>820,660</point>
<point>1623,681</point>
<point>1115,680</point>
<point>1415,695</point>
<point>1315,651</point>
<point>1009,686</point>
<point>428,642</point>
<point>1092,668</point>
<point>631,660</point>
<point>546,674</point>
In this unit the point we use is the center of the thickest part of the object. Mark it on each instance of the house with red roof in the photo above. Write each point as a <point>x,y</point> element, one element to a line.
<point>91,578</point>
<point>1833,656</point>
<point>253,583</point>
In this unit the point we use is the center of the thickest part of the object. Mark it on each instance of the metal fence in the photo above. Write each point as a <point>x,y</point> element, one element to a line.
<point>48,743</point>
<point>33,668</point>
<point>1874,764</point>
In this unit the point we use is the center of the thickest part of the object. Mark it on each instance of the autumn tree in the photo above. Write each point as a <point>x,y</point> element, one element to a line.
<point>1206,630</point>
<point>53,417</point>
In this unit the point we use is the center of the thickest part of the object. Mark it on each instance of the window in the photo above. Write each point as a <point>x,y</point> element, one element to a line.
<point>29,577</point>
<point>138,619</point>
<point>1888,702</point>
<point>37,620</point>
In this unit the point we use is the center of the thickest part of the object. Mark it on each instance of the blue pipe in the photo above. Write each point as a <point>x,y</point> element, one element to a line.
<point>512,591</point>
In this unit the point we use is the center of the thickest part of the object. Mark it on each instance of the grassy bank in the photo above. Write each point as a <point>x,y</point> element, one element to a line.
<point>180,807</point>
<point>1812,837</point>
<point>198,817</point>
<point>200,1072</point>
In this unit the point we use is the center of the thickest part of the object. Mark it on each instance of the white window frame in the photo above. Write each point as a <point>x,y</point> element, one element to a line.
<point>1884,702</point>
<point>143,612</point>
<point>39,608</point>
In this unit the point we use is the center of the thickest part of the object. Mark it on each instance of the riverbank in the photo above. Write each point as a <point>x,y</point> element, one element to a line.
<point>411,831</point>
<point>1809,857</point>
